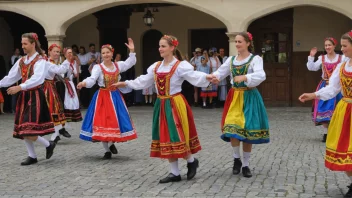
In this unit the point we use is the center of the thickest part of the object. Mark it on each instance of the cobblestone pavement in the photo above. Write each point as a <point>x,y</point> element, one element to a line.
<point>291,165</point>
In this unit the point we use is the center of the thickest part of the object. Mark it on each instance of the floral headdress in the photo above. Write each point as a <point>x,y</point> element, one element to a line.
<point>173,41</point>
<point>350,34</point>
<point>109,47</point>
<point>54,45</point>
<point>250,36</point>
<point>35,36</point>
<point>331,39</point>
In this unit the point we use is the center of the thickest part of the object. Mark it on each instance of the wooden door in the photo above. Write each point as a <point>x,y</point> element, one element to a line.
<point>150,48</point>
<point>275,49</point>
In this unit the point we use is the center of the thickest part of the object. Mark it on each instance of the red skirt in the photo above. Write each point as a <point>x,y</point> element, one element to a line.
<point>54,103</point>
<point>1,97</point>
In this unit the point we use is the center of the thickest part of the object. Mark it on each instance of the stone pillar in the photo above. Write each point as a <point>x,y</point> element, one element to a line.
<point>232,47</point>
<point>57,39</point>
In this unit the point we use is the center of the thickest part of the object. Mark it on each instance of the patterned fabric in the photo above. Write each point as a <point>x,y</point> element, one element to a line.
<point>244,116</point>
<point>107,118</point>
<point>338,155</point>
<point>53,100</point>
<point>322,111</point>
<point>32,113</point>
<point>174,134</point>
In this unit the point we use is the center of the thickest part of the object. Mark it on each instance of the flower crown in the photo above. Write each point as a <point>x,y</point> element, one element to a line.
<point>350,34</point>
<point>65,49</point>
<point>54,45</point>
<point>109,47</point>
<point>173,41</point>
<point>35,36</point>
<point>331,39</point>
<point>250,36</point>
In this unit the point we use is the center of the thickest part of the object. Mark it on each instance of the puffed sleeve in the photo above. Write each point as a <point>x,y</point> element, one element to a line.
<point>13,76</point>
<point>38,76</point>
<point>143,81</point>
<point>196,78</point>
<point>57,69</point>
<point>224,69</point>
<point>314,66</point>
<point>128,63</point>
<point>92,79</point>
<point>257,75</point>
<point>333,88</point>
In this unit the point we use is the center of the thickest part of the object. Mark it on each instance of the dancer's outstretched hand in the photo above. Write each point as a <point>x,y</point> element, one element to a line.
<point>119,85</point>
<point>81,85</point>
<point>130,45</point>
<point>307,96</point>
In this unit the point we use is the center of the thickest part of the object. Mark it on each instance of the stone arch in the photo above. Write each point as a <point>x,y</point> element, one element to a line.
<point>92,8</point>
<point>285,5</point>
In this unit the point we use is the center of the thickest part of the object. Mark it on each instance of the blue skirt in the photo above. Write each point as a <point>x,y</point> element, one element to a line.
<point>107,119</point>
<point>323,110</point>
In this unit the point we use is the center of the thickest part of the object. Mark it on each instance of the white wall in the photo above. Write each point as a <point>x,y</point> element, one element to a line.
<point>6,44</point>
<point>83,32</point>
<point>313,24</point>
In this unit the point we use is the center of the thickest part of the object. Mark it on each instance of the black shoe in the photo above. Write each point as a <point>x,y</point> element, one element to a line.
<point>57,139</point>
<point>246,172</point>
<point>50,149</point>
<point>107,155</point>
<point>29,161</point>
<point>64,133</point>
<point>324,138</point>
<point>349,192</point>
<point>170,178</point>
<point>192,169</point>
<point>237,165</point>
<point>113,149</point>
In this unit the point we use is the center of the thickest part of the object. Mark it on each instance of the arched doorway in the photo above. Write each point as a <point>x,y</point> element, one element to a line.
<point>12,26</point>
<point>150,46</point>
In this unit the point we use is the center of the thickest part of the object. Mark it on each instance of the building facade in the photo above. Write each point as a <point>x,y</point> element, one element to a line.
<point>284,29</point>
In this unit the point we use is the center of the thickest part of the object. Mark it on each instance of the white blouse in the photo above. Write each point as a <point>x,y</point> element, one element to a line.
<point>36,79</point>
<point>97,73</point>
<point>315,66</point>
<point>215,63</point>
<point>255,74</point>
<point>70,71</point>
<point>54,69</point>
<point>184,71</point>
<point>334,86</point>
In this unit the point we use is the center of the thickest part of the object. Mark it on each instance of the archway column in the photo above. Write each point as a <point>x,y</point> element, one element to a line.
<point>55,39</point>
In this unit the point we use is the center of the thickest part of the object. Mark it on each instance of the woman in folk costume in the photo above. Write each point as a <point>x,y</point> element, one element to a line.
<point>107,119</point>
<point>244,117</point>
<point>32,118</point>
<point>71,103</point>
<point>174,134</point>
<point>323,110</point>
<point>53,98</point>
<point>338,143</point>
<point>214,63</point>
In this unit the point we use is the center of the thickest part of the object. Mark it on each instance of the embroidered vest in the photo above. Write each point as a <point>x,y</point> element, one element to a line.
<point>239,70</point>
<point>27,70</point>
<point>162,79</point>
<point>328,68</point>
<point>346,81</point>
<point>110,77</point>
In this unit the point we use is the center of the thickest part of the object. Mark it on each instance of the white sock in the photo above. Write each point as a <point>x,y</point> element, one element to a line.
<point>43,141</point>
<point>236,152</point>
<point>150,99</point>
<point>204,104</point>
<point>246,156</point>
<point>350,178</point>
<point>57,129</point>
<point>30,148</point>
<point>67,125</point>
<point>174,168</point>
<point>106,146</point>
<point>110,143</point>
<point>190,159</point>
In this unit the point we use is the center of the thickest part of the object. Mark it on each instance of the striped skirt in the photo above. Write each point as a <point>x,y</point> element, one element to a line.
<point>244,117</point>
<point>32,114</point>
<point>338,156</point>
<point>174,133</point>
<point>54,103</point>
